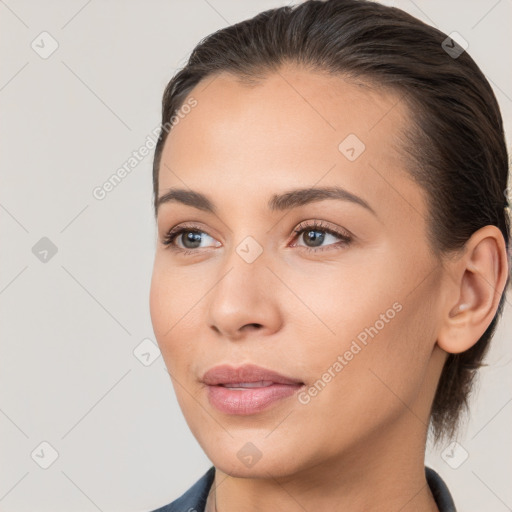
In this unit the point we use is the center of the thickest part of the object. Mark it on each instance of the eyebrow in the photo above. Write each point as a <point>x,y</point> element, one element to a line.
<point>278,202</point>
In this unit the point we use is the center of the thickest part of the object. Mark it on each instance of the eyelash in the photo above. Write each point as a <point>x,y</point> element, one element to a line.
<point>175,232</point>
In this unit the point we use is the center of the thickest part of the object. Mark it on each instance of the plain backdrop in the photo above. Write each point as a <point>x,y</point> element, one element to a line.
<point>89,420</point>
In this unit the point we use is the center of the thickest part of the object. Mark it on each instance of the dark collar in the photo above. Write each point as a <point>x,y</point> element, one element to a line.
<point>194,499</point>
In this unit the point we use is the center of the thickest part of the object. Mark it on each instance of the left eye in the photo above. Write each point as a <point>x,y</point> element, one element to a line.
<point>316,235</point>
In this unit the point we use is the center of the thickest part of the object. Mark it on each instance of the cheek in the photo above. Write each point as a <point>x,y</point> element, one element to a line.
<point>164,297</point>
<point>371,343</point>
<point>361,387</point>
<point>167,307</point>
<point>338,304</point>
<point>173,315</point>
<point>157,302</point>
<point>168,297</point>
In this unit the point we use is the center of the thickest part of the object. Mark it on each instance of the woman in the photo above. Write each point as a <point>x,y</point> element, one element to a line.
<point>332,255</point>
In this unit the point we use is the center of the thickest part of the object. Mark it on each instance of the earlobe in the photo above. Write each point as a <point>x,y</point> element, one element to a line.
<point>474,286</point>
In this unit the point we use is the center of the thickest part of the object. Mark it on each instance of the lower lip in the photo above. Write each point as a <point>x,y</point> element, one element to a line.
<point>249,400</point>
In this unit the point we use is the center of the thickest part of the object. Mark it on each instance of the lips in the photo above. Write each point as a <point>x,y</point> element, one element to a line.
<point>245,385</point>
<point>249,373</point>
<point>248,389</point>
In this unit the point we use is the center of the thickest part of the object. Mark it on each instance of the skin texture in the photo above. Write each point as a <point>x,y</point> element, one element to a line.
<point>359,444</point>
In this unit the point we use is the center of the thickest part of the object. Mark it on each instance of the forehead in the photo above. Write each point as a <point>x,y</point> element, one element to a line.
<point>291,127</point>
<point>294,104</point>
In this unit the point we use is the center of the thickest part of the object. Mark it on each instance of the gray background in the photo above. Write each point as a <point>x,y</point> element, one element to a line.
<point>71,323</point>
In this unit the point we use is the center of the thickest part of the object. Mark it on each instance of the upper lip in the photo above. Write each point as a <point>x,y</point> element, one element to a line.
<point>226,374</point>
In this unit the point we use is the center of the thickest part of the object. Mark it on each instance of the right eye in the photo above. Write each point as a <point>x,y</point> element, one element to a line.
<point>190,237</point>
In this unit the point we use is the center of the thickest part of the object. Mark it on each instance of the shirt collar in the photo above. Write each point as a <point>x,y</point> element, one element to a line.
<point>195,498</point>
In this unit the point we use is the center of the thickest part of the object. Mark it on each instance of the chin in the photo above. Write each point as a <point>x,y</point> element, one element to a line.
<point>261,469</point>
<point>249,454</point>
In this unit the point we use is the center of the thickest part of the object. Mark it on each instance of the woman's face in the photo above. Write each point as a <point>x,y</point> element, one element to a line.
<point>350,316</point>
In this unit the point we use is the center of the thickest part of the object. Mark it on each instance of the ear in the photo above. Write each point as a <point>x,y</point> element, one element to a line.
<point>475,284</point>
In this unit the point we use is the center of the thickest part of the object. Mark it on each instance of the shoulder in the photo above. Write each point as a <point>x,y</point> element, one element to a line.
<point>440,491</point>
<point>194,499</point>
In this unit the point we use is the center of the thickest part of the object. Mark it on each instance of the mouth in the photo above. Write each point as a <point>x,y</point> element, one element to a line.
<point>248,389</point>
<point>246,385</point>
<point>246,374</point>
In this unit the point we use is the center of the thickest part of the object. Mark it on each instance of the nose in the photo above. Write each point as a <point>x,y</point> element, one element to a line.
<point>245,301</point>
<point>241,330</point>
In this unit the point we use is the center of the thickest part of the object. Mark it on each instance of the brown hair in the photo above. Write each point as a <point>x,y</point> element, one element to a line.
<point>455,141</point>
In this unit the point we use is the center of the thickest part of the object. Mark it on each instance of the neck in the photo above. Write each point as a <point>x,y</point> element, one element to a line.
<point>384,472</point>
